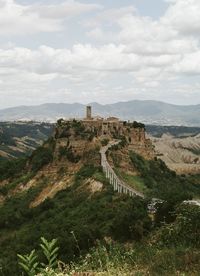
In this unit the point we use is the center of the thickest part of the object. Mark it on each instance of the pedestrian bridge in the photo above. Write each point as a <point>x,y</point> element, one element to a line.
<point>118,185</point>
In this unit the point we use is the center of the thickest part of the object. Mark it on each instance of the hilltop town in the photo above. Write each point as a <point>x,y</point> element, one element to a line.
<point>98,128</point>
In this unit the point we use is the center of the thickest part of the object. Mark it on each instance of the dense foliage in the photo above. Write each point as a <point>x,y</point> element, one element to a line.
<point>173,249</point>
<point>137,125</point>
<point>28,133</point>
<point>68,153</point>
<point>74,128</point>
<point>185,230</point>
<point>164,184</point>
<point>31,129</point>
<point>79,218</point>
<point>14,168</point>
<point>113,258</point>
<point>41,157</point>
<point>11,168</point>
<point>89,217</point>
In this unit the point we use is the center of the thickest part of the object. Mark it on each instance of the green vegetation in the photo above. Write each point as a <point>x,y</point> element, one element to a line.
<point>102,232</point>
<point>29,262</point>
<point>185,230</point>
<point>78,127</point>
<point>30,129</point>
<point>173,249</point>
<point>11,168</point>
<point>177,131</point>
<point>164,184</point>
<point>121,144</point>
<point>31,134</point>
<point>137,125</point>
<point>11,185</point>
<point>68,153</point>
<point>74,128</point>
<point>195,181</point>
<point>134,181</point>
<point>90,217</point>
<point>104,142</point>
<point>21,170</point>
<point>159,249</point>
<point>41,157</point>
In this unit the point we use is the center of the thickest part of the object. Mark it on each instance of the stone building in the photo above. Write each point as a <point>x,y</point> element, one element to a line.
<point>109,128</point>
<point>113,127</point>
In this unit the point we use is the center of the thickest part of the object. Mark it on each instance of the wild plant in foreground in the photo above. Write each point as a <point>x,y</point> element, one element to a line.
<point>29,262</point>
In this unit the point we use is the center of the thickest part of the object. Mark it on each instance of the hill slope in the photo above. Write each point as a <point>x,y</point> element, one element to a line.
<point>21,138</point>
<point>60,191</point>
<point>149,112</point>
<point>178,147</point>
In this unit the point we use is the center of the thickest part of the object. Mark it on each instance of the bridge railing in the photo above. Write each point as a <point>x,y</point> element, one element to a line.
<point>118,185</point>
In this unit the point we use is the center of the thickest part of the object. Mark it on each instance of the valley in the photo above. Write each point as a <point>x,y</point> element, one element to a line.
<point>96,203</point>
<point>18,139</point>
<point>179,154</point>
<point>178,147</point>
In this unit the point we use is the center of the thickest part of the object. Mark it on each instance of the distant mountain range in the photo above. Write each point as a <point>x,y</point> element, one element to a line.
<point>149,112</point>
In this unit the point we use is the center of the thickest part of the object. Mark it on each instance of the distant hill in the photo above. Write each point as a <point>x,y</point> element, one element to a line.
<point>19,139</point>
<point>175,131</point>
<point>149,112</point>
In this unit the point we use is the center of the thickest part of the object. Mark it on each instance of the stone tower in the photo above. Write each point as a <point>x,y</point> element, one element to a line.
<point>88,112</point>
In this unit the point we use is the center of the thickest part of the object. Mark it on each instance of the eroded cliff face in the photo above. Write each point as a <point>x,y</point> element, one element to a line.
<point>74,144</point>
<point>180,154</point>
<point>79,134</point>
<point>77,143</point>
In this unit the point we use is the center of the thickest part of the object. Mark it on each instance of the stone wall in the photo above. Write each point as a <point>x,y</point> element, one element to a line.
<point>81,133</point>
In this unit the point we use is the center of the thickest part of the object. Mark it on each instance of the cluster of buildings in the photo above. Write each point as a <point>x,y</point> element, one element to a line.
<point>112,126</point>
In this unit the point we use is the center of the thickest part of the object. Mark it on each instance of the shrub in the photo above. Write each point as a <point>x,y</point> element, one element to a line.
<point>185,230</point>
<point>29,262</point>
<point>68,153</point>
<point>11,168</point>
<point>137,125</point>
<point>104,142</point>
<point>41,157</point>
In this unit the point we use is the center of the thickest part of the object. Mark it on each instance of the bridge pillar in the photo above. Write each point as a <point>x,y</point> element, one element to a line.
<point>112,179</point>
<point>107,172</point>
<point>110,176</point>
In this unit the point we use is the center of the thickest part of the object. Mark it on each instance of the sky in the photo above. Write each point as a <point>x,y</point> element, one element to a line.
<point>99,51</point>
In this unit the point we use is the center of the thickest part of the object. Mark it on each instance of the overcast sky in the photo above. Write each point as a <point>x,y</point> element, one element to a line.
<point>99,50</point>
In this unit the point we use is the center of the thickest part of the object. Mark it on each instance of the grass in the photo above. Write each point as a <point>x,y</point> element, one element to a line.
<point>12,185</point>
<point>99,176</point>
<point>134,181</point>
<point>115,259</point>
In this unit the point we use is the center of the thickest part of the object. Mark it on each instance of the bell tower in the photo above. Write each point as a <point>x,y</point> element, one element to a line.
<point>88,112</point>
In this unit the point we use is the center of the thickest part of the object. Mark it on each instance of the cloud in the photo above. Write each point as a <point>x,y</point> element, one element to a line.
<point>128,54</point>
<point>17,19</point>
<point>183,16</point>
<point>109,16</point>
<point>85,62</point>
<point>138,44</point>
<point>170,42</point>
<point>63,10</point>
<point>46,59</point>
<point>189,64</point>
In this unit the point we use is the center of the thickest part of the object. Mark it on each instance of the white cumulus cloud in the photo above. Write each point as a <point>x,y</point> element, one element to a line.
<point>18,19</point>
<point>126,53</point>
